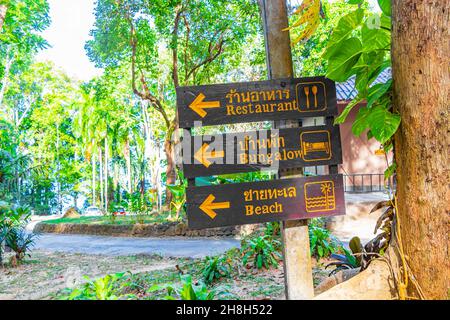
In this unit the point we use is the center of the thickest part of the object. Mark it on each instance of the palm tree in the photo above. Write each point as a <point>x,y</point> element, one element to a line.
<point>325,188</point>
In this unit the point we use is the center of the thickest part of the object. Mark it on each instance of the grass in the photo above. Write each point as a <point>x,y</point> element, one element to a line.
<point>46,273</point>
<point>105,220</point>
<point>241,285</point>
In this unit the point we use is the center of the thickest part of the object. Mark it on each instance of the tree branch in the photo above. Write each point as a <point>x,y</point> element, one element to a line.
<point>186,46</point>
<point>218,48</point>
<point>3,9</point>
<point>175,77</point>
<point>145,94</point>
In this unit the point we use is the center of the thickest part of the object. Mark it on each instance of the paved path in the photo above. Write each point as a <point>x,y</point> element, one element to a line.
<point>170,247</point>
<point>117,246</point>
<point>366,197</point>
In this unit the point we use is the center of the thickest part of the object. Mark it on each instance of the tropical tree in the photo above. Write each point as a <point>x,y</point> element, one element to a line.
<point>194,48</point>
<point>405,115</point>
<point>3,9</point>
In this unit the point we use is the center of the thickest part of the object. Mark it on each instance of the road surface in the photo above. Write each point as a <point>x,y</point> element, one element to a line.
<point>118,246</point>
<point>190,247</point>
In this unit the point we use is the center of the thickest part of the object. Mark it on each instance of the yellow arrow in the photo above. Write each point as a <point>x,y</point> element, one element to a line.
<point>208,206</point>
<point>203,155</point>
<point>198,105</point>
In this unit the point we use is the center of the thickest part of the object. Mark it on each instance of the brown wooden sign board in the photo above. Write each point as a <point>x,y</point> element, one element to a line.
<point>264,149</point>
<point>281,99</point>
<point>265,201</point>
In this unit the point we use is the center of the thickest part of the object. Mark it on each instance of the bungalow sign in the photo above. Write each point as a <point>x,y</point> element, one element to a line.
<point>273,150</point>
<point>260,150</point>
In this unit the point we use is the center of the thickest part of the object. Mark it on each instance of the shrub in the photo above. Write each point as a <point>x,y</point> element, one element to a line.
<point>261,251</point>
<point>322,242</point>
<point>273,229</point>
<point>11,220</point>
<point>20,242</point>
<point>106,288</point>
<point>216,268</point>
<point>188,290</point>
<point>343,261</point>
<point>178,199</point>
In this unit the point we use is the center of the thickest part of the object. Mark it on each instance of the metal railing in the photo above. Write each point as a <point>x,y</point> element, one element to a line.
<point>366,182</point>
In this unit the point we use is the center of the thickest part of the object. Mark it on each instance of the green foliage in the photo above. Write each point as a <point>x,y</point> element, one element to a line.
<point>106,288</point>
<point>322,243</point>
<point>20,241</point>
<point>273,229</point>
<point>216,268</point>
<point>307,55</point>
<point>61,139</point>
<point>188,290</point>
<point>178,192</point>
<point>23,22</point>
<point>12,230</point>
<point>243,177</point>
<point>389,172</point>
<point>343,261</point>
<point>261,252</point>
<point>40,152</point>
<point>360,46</point>
<point>385,6</point>
<point>138,204</point>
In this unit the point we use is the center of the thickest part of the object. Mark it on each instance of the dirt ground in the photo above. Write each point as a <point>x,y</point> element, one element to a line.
<point>46,274</point>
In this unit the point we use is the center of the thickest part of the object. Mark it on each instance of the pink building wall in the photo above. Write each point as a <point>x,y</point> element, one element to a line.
<point>358,153</point>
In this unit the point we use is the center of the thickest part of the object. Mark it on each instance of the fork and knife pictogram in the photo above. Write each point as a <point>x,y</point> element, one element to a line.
<point>314,92</point>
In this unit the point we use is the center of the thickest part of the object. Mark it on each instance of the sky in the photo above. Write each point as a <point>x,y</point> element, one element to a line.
<point>71,22</point>
<point>67,34</point>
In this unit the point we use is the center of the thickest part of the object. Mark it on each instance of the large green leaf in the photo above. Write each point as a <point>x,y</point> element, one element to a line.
<point>373,37</point>
<point>343,30</point>
<point>383,123</point>
<point>390,171</point>
<point>377,91</point>
<point>386,21</point>
<point>376,70</point>
<point>361,81</point>
<point>368,62</point>
<point>360,124</point>
<point>342,61</point>
<point>341,118</point>
<point>385,6</point>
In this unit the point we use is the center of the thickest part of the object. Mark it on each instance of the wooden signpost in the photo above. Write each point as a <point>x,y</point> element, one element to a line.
<point>280,99</point>
<point>285,101</point>
<point>263,149</point>
<point>265,201</point>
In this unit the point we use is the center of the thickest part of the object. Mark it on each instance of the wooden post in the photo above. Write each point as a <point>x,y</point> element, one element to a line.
<point>297,257</point>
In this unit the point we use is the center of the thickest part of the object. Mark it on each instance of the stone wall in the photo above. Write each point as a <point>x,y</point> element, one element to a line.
<point>170,229</point>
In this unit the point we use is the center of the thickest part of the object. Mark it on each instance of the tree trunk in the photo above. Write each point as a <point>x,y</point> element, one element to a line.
<point>170,170</point>
<point>3,9</point>
<point>128,160</point>
<point>106,175</point>
<point>100,180</point>
<point>6,71</point>
<point>420,60</point>
<point>116,182</point>
<point>93,179</point>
